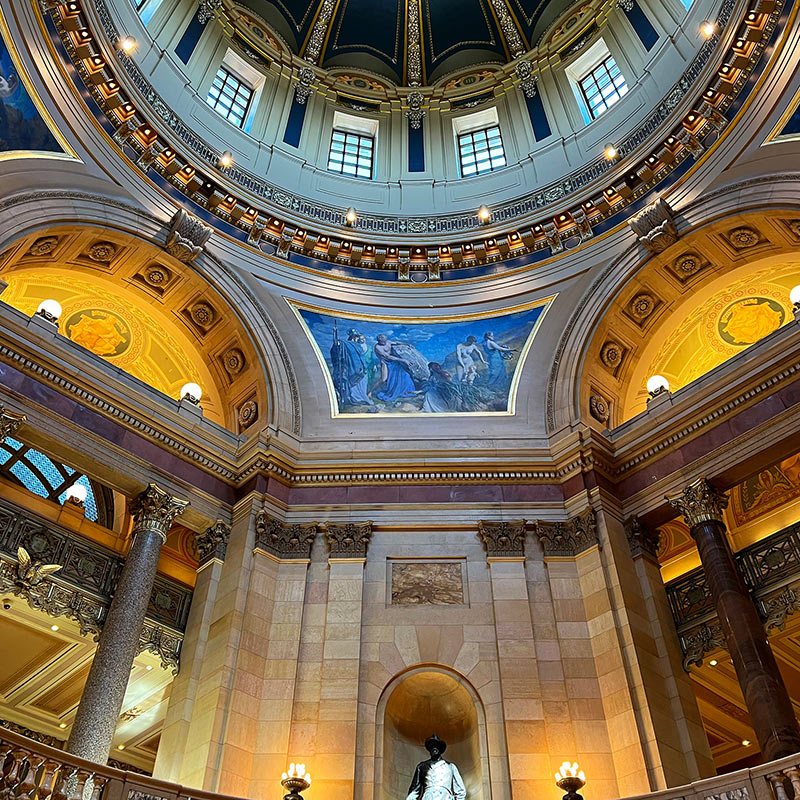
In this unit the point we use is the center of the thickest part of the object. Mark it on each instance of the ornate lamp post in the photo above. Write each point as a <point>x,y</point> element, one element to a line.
<point>570,778</point>
<point>295,781</point>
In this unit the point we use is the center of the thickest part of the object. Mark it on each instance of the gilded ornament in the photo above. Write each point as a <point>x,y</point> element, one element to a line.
<point>743,237</point>
<point>248,413</point>
<point>599,408</point>
<point>350,540</point>
<point>700,502</point>
<point>154,510</point>
<point>43,246</point>
<point>503,539</point>
<point>9,422</point>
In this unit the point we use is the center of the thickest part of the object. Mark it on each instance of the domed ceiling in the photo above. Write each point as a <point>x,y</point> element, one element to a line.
<point>411,42</point>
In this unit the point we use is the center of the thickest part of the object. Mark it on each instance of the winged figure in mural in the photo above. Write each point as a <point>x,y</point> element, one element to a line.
<point>30,573</point>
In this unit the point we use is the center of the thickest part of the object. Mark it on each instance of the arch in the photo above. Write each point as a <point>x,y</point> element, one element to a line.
<point>630,303</point>
<point>267,379</point>
<point>452,708</point>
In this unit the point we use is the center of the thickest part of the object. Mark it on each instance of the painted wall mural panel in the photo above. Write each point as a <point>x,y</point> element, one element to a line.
<point>24,129</point>
<point>444,365</point>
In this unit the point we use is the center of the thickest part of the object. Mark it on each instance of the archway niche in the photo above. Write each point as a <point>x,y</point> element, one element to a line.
<point>418,704</point>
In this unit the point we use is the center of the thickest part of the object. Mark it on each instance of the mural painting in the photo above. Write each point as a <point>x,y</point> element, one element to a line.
<point>766,490</point>
<point>377,365</point>
<point>22,126</point>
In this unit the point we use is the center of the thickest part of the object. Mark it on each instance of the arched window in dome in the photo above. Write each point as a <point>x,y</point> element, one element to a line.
<point>50,479</point>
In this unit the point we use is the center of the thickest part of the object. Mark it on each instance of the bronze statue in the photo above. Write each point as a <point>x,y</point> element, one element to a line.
<point>435,778</point>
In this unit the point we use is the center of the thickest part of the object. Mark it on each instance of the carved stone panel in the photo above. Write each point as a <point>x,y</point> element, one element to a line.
<point>416,583</point>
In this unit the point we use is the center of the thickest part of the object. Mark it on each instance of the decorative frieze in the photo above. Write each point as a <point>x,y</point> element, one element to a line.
<point>700,641</point>
<point>350,540</point>
<point>654,226</point>
<point>213,543</point>
<point>642,540</point>
<point>700,502</point>
<point>568,538</point>
<point>9,423</point>
<point>155,510</point>
<point>504,539</point>
<point>187,236</point>
<point>284,541</point>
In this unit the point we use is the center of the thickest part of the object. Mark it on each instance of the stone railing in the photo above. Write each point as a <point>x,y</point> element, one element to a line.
<point>771,570</point>
<point>33,771</point>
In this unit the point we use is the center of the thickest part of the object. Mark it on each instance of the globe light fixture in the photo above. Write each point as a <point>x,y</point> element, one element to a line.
<point>794,297</point>
<point>295,781</point>
<point>226,159</point>
<point>657,385</point>
<point>49,310</point>
<point>76,494</point>
<point>191,392</point>
<point>570,778</point>
<point>707,29</point>
<point>127,44</point>
<point>350,216</point>
<point>484,214</point>
<point>62,725</point>
<point>610,151</point>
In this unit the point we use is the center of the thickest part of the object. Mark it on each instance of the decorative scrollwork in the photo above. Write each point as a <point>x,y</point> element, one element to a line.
<point>350,540</point>
<point>284,541</point>
<point>568,538</point>
<point>698,642</point>
<point>504,539</point>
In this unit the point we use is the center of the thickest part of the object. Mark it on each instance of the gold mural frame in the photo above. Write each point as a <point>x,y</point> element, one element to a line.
<point>511,408</point>
<point>774,136</point>
<point>69,154</point>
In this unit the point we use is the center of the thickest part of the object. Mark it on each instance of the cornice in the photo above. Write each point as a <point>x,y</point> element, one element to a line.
<point>207,188</point>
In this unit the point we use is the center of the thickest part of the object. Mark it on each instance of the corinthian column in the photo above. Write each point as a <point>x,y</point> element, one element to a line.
<point>764,692</point>
<point>9,422</point>
<point>98,713</point>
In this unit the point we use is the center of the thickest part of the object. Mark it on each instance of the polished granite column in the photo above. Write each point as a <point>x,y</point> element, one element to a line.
<point>98,713</point>
<point>763,688</point>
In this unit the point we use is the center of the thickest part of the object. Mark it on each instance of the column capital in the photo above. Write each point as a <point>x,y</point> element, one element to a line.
<point>350,540</point>
<point>283,541</point>
<point>505,539</point>
<point>700,502</point>
<point>154,510</point>
<point>568,538</point>
<point>641,539</point>
<point>213,543</point>
<point>9,422</point>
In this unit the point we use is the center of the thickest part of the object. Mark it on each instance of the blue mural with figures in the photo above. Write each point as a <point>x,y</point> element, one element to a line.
<point>22,127</point>
<point>379,365</point>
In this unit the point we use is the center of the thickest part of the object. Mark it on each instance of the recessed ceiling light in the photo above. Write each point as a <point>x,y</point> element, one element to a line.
<point>149,667</point>
<point>713,662</point>
<point>746,742</point>
<point>120,747</point>
<point>62,724</point>
<point>54,628</point>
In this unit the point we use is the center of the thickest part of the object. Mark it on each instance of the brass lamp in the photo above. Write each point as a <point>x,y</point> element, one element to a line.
<point>295,781</point>
<point>570,778</point>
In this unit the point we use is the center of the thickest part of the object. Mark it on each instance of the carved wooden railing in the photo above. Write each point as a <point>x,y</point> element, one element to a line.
<point>33,771</point>
<point>771,570</point>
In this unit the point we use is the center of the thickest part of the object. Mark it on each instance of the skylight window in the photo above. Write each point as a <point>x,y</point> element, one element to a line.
<point>481,151</point>
<point>230,96</point>
<point>602,86</point>
<point>351,153</point>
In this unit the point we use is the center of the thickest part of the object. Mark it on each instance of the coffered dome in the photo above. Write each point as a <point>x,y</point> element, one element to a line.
<point>411,43</point>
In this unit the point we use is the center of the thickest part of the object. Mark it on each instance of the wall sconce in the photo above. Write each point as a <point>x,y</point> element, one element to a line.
<point>295,781</point>
<point>484,214</point>
<point>570,778</point>
<point>350,217</point>
<point>191,392</point>
<point>76,495</point>
<point>49,310</point>
<point>657,385</point>
<point>127,44</point>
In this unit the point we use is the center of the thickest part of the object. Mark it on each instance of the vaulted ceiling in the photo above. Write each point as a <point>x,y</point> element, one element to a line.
<point>375,34</point>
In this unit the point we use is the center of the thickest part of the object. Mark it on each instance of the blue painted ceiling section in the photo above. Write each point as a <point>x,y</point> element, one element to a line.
<point>454,25</point>
<point>375,27</point>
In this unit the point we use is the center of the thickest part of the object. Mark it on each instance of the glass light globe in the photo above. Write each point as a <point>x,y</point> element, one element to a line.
<point>77,494</point>
<point>484,215</point>
<point>49,309</point>
<point>191,392</point>
<point>127,44</point>
<point>656,385</point>
<point>794,296</point>
<point>350,217</point>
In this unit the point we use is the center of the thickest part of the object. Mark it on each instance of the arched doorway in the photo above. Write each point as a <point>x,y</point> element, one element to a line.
<point>418,704</point>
